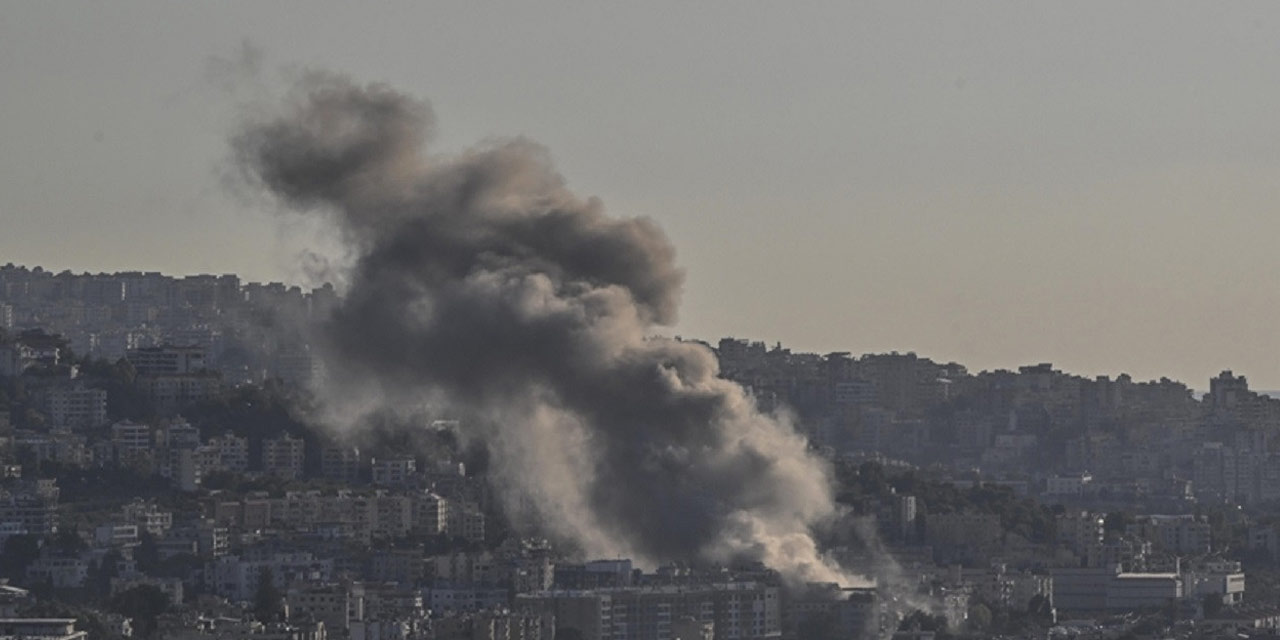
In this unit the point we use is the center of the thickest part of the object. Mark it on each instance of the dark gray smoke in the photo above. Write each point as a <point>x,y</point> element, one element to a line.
<point>484,288</point>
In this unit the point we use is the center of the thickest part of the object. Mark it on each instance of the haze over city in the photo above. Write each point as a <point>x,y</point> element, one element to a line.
<point>993,183</point>
<point>671,321</point>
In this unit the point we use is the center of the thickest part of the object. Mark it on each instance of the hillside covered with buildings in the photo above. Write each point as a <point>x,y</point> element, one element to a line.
<point>161,478</point>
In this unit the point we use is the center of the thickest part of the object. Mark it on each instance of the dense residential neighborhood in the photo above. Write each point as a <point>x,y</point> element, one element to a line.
<point>162,478</point>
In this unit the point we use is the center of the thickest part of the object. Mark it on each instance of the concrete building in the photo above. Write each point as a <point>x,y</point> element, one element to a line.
<point>76,407</point>
<point>1068,485</point>
<point>690,628</point>
<point>595,574</point>
<point>590,613</point>
<point>1080,530</point>
<point>735,610</point>
<point>166,360</point>
<point>233,452</point>
<point>430,513</point>
<point>115,535</point>
<point>296,365</point>
<point>1137,591</point>
<point>464,521</point>
<point>1228,391</point>
<point>841,613</point>
<point>33,514</point>
<point>393,516</point>
<point>1265,538</point>
<point>493,625</point>
<point>340,463</point>
<point>171,587</point>
<point>999,585</point>
<point>59,572</point>
<point>904,518</point>
<point>394,472</point>
<point>185,469</point>
<point>148,517</point>
<point>170,393</point>
<point>13,599</point>
<point>334,604</point>
<point>456,598</point>
<point>1177,534</point>
<point>1222,578</point>
<point>402,567</point>
<point>41,629</point>
<point>131,436</point>
<point>237,579</point>
<point>1082,589</point>
<point>179,434</point>
<point>1106,588</point>
<point>283,457</point>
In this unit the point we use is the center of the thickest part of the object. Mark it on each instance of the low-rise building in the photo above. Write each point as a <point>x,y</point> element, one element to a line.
<point>41,629</point>
<point>1068,485</point>
<point>1108,589</point>
<point>236,578</point>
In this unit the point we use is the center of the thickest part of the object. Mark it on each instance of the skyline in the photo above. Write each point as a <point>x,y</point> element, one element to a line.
<point>971,185</point>
<point>711,340</point>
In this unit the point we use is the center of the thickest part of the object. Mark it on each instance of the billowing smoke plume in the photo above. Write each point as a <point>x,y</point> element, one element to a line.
<point>483,288</point>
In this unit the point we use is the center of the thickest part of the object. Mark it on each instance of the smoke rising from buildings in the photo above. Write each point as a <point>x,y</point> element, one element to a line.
<point>482,288</point>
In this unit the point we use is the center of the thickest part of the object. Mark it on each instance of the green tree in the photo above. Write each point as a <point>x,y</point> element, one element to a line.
<point>33,419</point>
<point>68,541</point>
<point>101,573</point>
<point>147,554</point>
<point>1040,607</point>
<point>178,566</point>
<point>979,617</point>
<point>1117,522</point>
<point>19,552</point>
<point>1212,604</point>
<point>267,600</point>
<point>143,603</point>
<point>922,621</point>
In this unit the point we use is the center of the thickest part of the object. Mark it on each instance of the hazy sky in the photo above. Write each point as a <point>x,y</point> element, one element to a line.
<point>1092,184</point>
